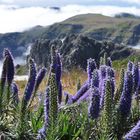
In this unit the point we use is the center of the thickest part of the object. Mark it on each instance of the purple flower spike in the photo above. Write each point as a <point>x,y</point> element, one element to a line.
<point>103,72</point>
<point>110,72</point>
<point>3,74</point>
<point>126,97</point>
<point>102,92</point>
<point>129,66</point>
<point>40,77</point>
<point>31,81</point>
<point>134,133</point>
<point>109,62</point>
<point>135,73</point>
<point>112,80</point>
<point>94,106</point>
<point>85,97</point>
<point>56,67</point>
<point>91,65</point>
<point>9,66</point>
<point>95,79</point>
<point>41,133</point>
<point>80,92</point>
<point>14,90</point>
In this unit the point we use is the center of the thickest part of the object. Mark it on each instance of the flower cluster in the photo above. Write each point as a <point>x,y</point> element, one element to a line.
<point>134,134</point>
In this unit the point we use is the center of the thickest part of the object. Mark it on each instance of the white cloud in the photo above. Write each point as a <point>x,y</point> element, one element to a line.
<point>67,2</point>
<point>132,1</point>
<point>14,18</point>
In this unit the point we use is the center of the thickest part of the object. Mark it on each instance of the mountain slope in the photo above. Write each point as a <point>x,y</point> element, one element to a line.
<point>76,49</point>
<point>119,30</point>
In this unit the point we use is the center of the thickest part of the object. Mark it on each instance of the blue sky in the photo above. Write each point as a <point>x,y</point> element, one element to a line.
<point>20,15</point>
<point>44,3</point>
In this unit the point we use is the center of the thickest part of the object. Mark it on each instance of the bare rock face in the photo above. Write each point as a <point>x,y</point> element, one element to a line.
<point>75,50</point>
<point>134,39</point>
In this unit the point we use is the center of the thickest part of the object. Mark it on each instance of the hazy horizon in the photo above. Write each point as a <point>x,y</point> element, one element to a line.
<point>19,15</point>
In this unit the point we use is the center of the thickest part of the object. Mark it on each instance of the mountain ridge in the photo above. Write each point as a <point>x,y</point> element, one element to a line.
<point>96,26</point>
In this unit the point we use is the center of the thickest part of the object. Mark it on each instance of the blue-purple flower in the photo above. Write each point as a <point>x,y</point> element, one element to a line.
<point>3,74</point>
<point>94,106</point>
<point>31,81</point>
<point>130,66</point>
<point>109,62</point>
<point>80,92</point>
<point>10,70</point>
<point>40,77</point>
<point>135,73</point>
<point>134,133</point>
<point>85,96</point>
<point>56,67</point>
<point>110,72</point>
<point>95,79</point>
<point>102,88</point>
<point>103,72</point>
<point>126,97</point>
<point>41,133</point>
<point>14,90</point>
<point>91,66</point>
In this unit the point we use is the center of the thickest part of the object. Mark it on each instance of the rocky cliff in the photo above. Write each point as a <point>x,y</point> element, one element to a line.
<point>76,49</point>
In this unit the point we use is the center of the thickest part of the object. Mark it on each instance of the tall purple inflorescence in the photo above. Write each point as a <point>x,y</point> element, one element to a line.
<point>56,67</point>
<point>112,80</point>
<point>43,131</point>
<point>135,73</point>
<point>91,66</point>
<point>80,92</point>
<point>110,72</point>
<point>102,83</point>
<point>95,79</point>
<point>31,81</point>
<point>14,90</point>
<point>103,71</point>
<point>40,77</point>
<point>134,133</point>
<point>129,66</point>
<point>9,66</point>
<point>3,74</point>
<point>109,62</point>
<point>58,77</point>
<point>94,106</point>
<point>126,97</point>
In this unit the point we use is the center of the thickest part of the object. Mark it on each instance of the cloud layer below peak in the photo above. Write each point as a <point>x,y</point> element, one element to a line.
<point>14,18</point>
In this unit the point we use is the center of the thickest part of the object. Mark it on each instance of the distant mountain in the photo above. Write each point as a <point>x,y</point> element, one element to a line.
<point>76,49</point>
<point>118,30</point>
<point>126,15</point>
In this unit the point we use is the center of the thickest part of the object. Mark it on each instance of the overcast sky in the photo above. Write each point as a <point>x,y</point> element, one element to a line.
<point>67,2</point>
<point>19,15</point>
